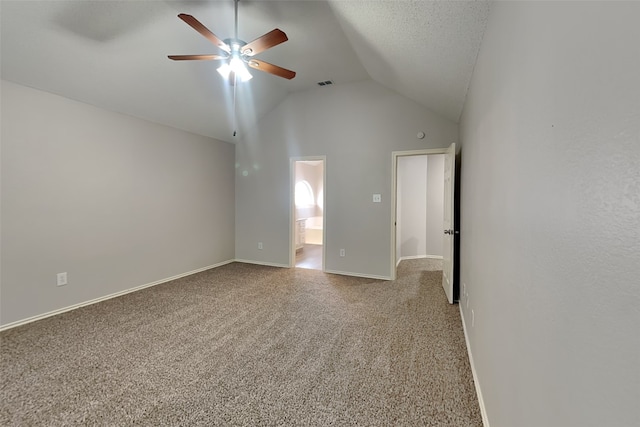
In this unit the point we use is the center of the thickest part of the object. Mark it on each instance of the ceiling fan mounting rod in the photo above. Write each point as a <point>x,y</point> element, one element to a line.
<point>236,22</point>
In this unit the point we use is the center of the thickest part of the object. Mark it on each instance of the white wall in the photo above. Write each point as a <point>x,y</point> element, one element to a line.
<point>435,205</point>
<point>398,223</point>
<point>114,201</point>
<point>412,199</point>
<point>356,126</point>
<point>420,206</point>
<point>551,214</point>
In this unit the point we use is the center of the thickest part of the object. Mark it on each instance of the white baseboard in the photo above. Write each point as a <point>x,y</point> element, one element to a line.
<point>421,257</point>
<point>268,264</point>
<point>106,297</point>
<point>366,276</point>
<point>418,257</point>
<point>483,410</point>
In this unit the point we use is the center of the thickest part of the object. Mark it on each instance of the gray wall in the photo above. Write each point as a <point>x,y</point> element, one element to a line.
<point>551,214</point>
<point>356,126</point>
<point>114,201</point>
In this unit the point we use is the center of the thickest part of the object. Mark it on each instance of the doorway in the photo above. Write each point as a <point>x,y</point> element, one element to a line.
<point>424,238</point>
<point>307,212</point>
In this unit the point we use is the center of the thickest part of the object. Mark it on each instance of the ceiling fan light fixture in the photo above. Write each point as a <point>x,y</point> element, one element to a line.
<point>236,66</point>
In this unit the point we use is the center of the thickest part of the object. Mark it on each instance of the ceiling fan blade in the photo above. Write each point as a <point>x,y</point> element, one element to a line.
<point>271,39</point>
<point>196,57</point>
<point>270,68</point>
<point>197,25</point>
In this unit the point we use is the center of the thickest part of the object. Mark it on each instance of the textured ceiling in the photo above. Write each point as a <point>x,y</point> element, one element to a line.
<point>112,54</point>
<point>425,50</point>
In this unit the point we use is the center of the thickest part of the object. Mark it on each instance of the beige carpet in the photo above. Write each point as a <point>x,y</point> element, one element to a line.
<point>248,345</point>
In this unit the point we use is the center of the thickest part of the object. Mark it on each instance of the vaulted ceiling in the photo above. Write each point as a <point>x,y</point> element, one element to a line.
<point>113,53</point>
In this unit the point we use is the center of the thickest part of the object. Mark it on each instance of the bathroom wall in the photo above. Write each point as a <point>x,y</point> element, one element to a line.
<point>310,172</point>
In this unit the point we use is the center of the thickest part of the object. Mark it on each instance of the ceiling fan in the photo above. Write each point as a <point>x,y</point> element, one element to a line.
<point>236,53</point>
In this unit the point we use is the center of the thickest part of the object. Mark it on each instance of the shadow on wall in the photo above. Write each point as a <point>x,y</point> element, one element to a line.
<point>410,246</point>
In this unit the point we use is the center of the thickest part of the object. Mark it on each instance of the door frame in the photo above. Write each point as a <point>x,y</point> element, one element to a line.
<point>394,194</point>
<point>292,206</point>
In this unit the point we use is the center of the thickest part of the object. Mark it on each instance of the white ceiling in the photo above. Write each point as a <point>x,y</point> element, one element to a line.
<point>113,53</point>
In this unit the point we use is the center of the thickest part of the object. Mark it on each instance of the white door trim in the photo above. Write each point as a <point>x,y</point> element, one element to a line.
<point>292,206</point>
<point>394,195</point>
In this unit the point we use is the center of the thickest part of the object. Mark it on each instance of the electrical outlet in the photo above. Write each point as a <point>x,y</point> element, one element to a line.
<point>342,253</point>
<point>62,279</point>
<point>260,245</point>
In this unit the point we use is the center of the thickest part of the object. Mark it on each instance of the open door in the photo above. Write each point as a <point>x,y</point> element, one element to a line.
<point>448,223</point>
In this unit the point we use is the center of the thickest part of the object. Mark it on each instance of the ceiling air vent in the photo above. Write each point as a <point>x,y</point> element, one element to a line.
<point>325,83</point>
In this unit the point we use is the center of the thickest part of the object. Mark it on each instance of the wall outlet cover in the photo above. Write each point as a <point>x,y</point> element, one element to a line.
<point>61,279</point>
